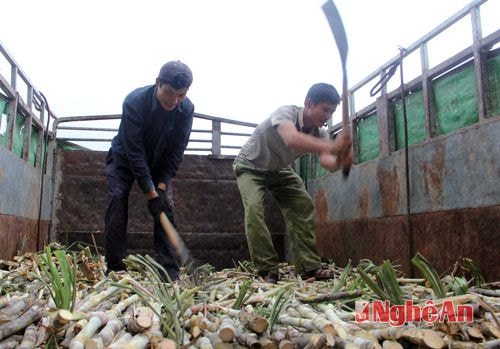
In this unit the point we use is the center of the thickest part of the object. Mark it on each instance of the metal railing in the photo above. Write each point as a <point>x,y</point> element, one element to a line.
<point>477,53</point>
<point>214,135</point>
<point>30,104</point>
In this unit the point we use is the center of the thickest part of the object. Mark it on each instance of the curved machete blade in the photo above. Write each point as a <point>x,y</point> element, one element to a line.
<point>337,28</point>
<point>338,31</point>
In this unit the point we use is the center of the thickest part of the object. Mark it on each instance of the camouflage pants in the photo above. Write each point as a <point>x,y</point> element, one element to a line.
<point>288,190</point>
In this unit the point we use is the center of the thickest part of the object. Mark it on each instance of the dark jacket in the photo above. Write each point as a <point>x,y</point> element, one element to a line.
<point>151,141</point>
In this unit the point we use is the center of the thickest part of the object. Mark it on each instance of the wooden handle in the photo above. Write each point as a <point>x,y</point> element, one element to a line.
<point>174,238</point>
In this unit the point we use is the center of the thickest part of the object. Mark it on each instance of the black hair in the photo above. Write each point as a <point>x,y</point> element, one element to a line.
<point>180,80</point>
<point>322,92</point>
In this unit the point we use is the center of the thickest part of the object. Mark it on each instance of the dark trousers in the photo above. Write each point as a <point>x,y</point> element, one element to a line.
<point>119,186</point>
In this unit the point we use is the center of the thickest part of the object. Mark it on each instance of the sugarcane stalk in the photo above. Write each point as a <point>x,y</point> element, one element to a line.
<point>419,336</point>
<point>154,333</point>
<point>286,319</point>
<point>204,343</point>
<point>363,343</point>
<point>490,344</point>
<point>16,308</point>
<point>91,301</point>
<point>30,337</point>
<point>24,320</point>
<point>42,331</point>
<point>391,344</point>
<point>474,332</point>
<point>309,340</point>
<point>106,335</point>
<point>250,340</point>
<point>167,344</point>
<point>122,339</point>
<point>253,321</point>
<point>265,297</point>
<point>62,318</point>
<point>341,343</point>
<point>139,341</point>
<point>462,345</point>
<point>226,330</point>
<point>73,331</point>
<point>267,343</point>
<point>11,342</point>
<point>141,321</point>
<point>489,329</point>
<point>329,297</point>
<point>206,324</point>
<point>344,328</point>
<point>319,322</point>
<point>286,344</point>
<point>214,338</point>
<point>95,322</point>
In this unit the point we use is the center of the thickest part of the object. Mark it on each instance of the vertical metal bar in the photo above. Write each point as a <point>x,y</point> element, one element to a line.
<point>407,162</point>
<point>479,64</point>
<point>385,121</point>
<point>13,77</point>
<point>30,97</point>
<point>216,137</point>
<point>428,95</point>
<point>353,130</point>
<point>355,140</point>
<point>11,122</point>
<point>28,121</point>
<point>40,141</point>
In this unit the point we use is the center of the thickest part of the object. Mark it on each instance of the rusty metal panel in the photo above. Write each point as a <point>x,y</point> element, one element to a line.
<point>19,235</point>
<point>457,171</point>
<point>455,204</point>
<point>442,237</point>
<point>20,188</point>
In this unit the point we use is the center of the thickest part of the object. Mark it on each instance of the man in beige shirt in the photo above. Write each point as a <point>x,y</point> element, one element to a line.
<point>264,164</point>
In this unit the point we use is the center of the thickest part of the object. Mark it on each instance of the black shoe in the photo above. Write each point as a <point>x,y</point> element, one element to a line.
<point>270,277</point>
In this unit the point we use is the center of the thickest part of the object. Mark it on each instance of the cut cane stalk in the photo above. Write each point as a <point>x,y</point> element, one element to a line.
<point>329,297</point>
<point>253,321</point>
<point>42,331</point>
<point>344,328</point>
<point>319,322</point>
<point>16,308</point>
<point>106,335</point>
<point>141,321</point>
<point>30,337</point>
<point>93,300</point>
<point>167,344</point>
<point>27,318</point>
<point>95,322</point>
<point>419,336</point>
<point>122,339</point>
<point>139,341</point>
<point>391,344</point>
<point>73,331</point>
<point>227,331</point>
<point>204,343</point>
<point>11,342</point>
<point>267,343</point>
<point>249,340</point>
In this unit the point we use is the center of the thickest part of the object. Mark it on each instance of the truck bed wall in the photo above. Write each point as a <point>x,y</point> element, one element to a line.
<point>20,228</point>
<point>454,203</point>
<point>208,208</point>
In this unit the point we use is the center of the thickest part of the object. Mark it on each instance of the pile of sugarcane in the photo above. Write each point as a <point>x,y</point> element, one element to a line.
<point>63,298</point>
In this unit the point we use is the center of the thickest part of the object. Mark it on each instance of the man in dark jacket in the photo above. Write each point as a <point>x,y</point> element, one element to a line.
<point>154,132</point>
